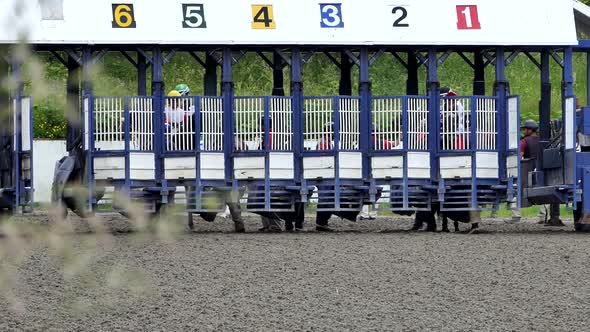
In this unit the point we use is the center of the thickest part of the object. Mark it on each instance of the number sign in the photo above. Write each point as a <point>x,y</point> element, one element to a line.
<point>401,13</point>
<point>338,23</point>
<point>263,17</point>
<point>123,16</point>
<point>331,15</point>
<point>193,16</point>
<point>468,18</point>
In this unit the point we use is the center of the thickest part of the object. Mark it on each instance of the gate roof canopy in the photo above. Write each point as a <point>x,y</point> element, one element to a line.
<point>302,22</point>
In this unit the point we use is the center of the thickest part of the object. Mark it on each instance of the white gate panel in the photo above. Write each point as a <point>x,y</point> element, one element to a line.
<point>180,168</point>
<point>351,165</point>
<point>281,165</point>
<point>512,166</point>
<point>318,167</point>
<point>281,123</point>
<point>26,134</point>
<point>249,167</point>
<point>487,165</point>
<point>349,118</point>
<point>388,167</point>
<point>142,166</point>
<point>455,123</point>
<point>179,132</point>
<point>141,128</point>
<point>455,167</point>
<point>419,165</point>
<point>212,166</point>
<point>109,125</point>
<point>86,111</point>
<point>212,124</point>
<point>109,168</point>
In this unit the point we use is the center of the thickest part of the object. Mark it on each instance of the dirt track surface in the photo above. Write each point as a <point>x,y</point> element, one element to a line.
<point>368,276</point>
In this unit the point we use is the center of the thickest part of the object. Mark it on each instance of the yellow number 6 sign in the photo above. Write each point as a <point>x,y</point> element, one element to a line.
<point>123,16</point>
<point>263,17</point>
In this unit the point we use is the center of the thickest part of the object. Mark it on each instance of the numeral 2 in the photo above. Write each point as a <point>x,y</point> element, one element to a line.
<point>404,14</point>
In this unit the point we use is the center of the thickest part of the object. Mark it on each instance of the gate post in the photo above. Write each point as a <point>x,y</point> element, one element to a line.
<point>5,128</point>
<point>345,85</point>
<point>433,91</point>
<point>227,90</point>
<point>141,74</point>
<point>412,82</point>
<point>278,78</point>
<point>479,74</point>
<point>72,104</point>
<point>544,106</point>
<point>17,94</point>
<point>501,91</point>
<point>569,144</point>
<point>365,118</point>
<point>87,91</point>
<point>157,109</point>
<point>297,117</point>
<point>210,79</point>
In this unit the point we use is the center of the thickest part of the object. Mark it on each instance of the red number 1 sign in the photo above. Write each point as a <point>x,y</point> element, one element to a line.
<point>467,17</point>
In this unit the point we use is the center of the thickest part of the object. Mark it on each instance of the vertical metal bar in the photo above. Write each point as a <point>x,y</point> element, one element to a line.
<point>228,110</point>
<point>501,93</point>
<point>568,92</point>
<point>472,147</point>
<point>479,74</point>
<point>197,147</point>
<point>412,82</point>
<point>127,147</point>
<point>17,95</point>
<point>267,149</point>
<point>141,74</point>
<point>365,113</point>
<point>336,135</point>
<point>544,106</point>
<point>405,101</point>
<point>434,113</point>
<point>87,90</point>
<point>158,114</point>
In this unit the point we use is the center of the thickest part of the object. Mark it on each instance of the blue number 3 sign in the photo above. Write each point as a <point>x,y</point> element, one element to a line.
<point>331,15</point>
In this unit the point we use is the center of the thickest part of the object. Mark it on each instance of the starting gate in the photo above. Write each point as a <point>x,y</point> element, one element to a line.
<point>400,152</point>
<point>332,159</point>
<point>331,153</point>
<point>471,155</point>
<point>16,151</point>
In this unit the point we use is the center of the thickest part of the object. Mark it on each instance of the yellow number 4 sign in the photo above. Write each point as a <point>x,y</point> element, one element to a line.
<point>263,17</point>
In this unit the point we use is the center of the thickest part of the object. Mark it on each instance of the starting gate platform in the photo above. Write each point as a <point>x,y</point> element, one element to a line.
<point>401,152</point>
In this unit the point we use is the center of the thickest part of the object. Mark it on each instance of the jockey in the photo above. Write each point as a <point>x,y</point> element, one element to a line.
<point>379,142</point>
<point>183,89</point>
<point>455,120</point>
<point>326,141</point>
<point>175,115</point>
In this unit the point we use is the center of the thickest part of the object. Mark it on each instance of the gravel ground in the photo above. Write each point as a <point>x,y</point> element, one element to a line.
<point>367,276</point>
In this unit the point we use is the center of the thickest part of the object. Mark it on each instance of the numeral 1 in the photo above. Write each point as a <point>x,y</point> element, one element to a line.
<point>467,17</point>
